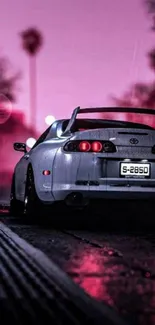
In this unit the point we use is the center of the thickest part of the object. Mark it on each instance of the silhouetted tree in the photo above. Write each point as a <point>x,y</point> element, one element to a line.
<point>8,81</point>
<point>141,94</point>
<point>32,41</point>
<point>150,6</point>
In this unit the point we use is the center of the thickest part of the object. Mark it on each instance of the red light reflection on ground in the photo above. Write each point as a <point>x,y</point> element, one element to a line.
<point>109,279</point>
<point>4,211</point>
<point>91,271</point>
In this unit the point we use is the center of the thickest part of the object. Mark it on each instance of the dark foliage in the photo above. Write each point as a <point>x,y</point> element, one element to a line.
<point>150,6</point>
<point>7,81</point>
<point>141,94</point>
<point>32,40</point>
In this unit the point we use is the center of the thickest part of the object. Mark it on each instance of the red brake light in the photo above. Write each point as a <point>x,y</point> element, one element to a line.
<point>84,146</point>
<point>89,146</point>
<point>96,146</point>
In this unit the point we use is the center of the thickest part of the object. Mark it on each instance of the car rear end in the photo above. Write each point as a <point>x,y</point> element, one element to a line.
<point>112,163</point>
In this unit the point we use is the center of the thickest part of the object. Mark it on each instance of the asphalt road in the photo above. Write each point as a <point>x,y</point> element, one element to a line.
<point>114,264</point>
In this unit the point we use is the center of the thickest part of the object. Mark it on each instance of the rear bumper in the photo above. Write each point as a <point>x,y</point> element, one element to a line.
<point>97,176</point>
<point>107,192</point>
<point>61,192</point>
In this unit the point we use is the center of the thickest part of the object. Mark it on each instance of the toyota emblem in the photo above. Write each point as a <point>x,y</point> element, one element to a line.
<point>134,141</point>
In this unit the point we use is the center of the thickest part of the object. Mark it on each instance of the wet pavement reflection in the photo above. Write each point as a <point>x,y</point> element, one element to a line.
<point>89,269</point>
<point>114,263</point>
<point>123,279</point>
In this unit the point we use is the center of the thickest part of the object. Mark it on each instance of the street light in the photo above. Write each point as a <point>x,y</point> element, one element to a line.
<point>49,119</point>
<point>30,142</point>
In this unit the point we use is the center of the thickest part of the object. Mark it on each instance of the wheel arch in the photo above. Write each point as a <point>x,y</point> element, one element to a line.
<point>43,159</point>
<point>13,187</point>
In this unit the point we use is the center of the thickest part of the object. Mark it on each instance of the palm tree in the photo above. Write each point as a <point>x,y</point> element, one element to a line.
<point>32,41</point>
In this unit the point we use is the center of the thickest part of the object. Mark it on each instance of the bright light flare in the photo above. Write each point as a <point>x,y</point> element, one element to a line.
<point>49,119</point>
<point>30,142</point>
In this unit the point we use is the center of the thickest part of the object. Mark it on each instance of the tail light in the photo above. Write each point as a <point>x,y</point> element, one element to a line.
<point>96,146</point>
<point>84,146</point>
<point>89,146</point>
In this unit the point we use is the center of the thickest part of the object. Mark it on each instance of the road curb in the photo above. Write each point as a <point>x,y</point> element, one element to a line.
<point>42,288</point>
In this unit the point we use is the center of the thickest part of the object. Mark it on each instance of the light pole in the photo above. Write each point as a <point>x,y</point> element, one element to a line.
<point>31,42</point>
<point>49,119</point>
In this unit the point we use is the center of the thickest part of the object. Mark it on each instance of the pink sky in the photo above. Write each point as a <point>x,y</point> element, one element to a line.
<point>88,51</point>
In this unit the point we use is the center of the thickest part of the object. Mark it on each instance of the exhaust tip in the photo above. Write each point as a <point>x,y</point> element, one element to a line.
<point>75,199</point>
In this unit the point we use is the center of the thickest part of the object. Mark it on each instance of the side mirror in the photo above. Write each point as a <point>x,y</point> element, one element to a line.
<point>20,146</point>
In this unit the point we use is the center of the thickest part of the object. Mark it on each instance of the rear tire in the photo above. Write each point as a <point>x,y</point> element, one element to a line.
<point>32,204</point>
<point>16,206</point>
<point>34,209</point>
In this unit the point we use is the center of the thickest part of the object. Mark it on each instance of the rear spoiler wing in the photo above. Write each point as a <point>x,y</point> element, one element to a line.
<point>79,110</point>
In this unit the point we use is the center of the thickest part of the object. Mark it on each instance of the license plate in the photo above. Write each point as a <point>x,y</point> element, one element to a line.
<point>133,170</point>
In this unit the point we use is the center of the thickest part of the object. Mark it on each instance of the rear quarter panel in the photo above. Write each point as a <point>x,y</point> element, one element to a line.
<point>20,172</point>
<point>42,158</point>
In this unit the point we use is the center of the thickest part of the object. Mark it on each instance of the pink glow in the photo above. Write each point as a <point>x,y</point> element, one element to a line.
<point>92,49</point>
<point>88,52</point>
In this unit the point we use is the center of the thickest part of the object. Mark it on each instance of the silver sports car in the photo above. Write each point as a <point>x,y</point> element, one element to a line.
<point>79,160</point>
